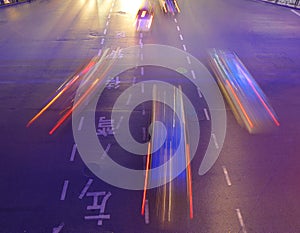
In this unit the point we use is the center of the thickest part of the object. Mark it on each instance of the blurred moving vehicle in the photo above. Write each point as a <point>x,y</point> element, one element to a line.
<point>246,99</point>
<point>169,6</point>
<point>144,19</point>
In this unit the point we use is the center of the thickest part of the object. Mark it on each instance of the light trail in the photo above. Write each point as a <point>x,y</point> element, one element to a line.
<point>146,178</point>
<point>188,158</point>
<point>52,101</point>
<point>66,116</point>
<point>240,104</point>
<point>263,103</point>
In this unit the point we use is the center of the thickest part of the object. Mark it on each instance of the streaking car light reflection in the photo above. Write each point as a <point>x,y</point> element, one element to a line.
<point>92,74</point>
<point>247,100</point>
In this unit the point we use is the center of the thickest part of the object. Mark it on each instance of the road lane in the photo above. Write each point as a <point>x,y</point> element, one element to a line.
<point>37,60</point>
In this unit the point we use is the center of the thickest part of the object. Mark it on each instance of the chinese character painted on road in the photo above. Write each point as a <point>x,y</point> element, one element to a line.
<point>105,127</point>
<point>98,205</point>
<point>113,83</point>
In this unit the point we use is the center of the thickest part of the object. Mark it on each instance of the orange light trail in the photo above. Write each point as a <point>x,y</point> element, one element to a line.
<point>189,181</point>
<point>59,123</point>
<point>52,101</point>
<point>146,178</point>
<point>240,104</point>
<point>88,67</point>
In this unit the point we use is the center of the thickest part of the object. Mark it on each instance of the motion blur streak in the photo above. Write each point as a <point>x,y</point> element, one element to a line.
<point>69,84</point>
<point>86,93</point>
<point>188,158</point>
<point>239,103</point>
<point>146,178</point>
<point>61,121</point>
<point>64,87</point>
<point>189,181</point>
<point>247,100</point>
<point>264,103</point>
<point>177,7</point>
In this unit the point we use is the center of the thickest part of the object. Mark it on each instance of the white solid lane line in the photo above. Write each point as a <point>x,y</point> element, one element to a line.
<point>295,12</point>
<point>64,190</point>
<point>226,176</point>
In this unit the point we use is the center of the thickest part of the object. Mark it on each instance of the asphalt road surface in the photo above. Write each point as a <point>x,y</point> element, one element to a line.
<point>46,185</point>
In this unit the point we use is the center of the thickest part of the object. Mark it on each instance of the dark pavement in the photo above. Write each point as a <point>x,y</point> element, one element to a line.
<point>253,186</point>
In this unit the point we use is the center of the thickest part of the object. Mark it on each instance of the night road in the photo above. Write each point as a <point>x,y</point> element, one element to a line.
<point>118,122</point>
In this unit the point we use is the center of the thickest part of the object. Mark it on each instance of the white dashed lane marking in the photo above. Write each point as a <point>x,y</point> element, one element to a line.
<point>206,114</point>
<point>295,12</point>
<point>85,189</point>
<point>142,71</point>
<point>58,229</point>
<point>178,28</point>
<point>80,123</point>
<point>238,212</point>
<point>143,87</point>
<point>184,47</point>
<point>64,190</point>
<point>106,150</point>
<point>215,140</point>
<point>226,176</point>
<point>188,60</point>
<point>72,157</point>
<point>199,92</point>
<point>193,74</point>
<point>147,217</point>
<point>181,37</point>
<point>128,100</point>
<point>119,123</point>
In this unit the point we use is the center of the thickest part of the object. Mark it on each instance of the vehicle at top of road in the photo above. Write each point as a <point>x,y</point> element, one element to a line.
<point>169,6</point>
<point>246,99</point>
<point>144,19</point>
